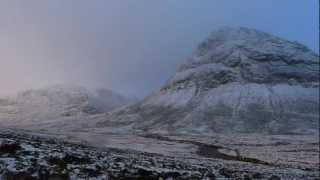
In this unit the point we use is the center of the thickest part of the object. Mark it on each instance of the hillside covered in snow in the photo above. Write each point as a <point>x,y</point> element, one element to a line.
<point>58,106</point>
<point>238,80</point>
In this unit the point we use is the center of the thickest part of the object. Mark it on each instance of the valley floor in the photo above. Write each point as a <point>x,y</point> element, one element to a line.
<point>104,155</point>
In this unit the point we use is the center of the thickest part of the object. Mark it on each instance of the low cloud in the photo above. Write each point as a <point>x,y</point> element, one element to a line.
<point>130,46</point>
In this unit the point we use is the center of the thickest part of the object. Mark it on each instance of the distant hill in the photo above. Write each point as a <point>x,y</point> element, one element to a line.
<point>59,103</point>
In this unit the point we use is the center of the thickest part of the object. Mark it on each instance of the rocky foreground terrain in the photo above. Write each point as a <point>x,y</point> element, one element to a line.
<point>29,155</point>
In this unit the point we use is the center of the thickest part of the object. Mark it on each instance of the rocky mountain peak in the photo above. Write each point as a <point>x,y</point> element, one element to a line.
<point>237,80</point>
<point>250,41</point>
<point>247,56</point>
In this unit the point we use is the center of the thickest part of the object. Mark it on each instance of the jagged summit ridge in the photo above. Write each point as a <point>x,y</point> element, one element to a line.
<point>247,55</point>
<point>253,41</point>
<point>238,80</point>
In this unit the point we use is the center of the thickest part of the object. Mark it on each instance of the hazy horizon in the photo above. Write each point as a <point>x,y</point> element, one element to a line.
<point>131,47</point>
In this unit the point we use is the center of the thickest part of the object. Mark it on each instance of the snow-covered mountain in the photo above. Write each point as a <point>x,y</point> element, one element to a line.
<point>59,103</point>
<point>237,80</point>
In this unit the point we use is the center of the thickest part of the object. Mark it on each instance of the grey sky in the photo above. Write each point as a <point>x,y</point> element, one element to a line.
<point>131,46</point>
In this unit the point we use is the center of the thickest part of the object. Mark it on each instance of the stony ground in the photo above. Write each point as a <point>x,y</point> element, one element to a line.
<point>29,156</point>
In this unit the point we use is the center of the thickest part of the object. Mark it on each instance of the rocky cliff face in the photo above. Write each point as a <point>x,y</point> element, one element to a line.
<point>238,80</point>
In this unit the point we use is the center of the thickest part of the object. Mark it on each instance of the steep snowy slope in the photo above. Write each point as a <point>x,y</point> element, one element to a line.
<point>56,104</point>
<point>238,80</point>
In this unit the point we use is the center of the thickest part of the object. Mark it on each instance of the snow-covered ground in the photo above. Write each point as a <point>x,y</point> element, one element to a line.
<point>103,155</point>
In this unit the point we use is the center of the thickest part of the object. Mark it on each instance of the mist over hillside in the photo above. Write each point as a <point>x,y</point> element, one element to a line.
<point>240,107</point>
<point>58,105</point>
<point>132,47</point>
<point>159,90</point>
